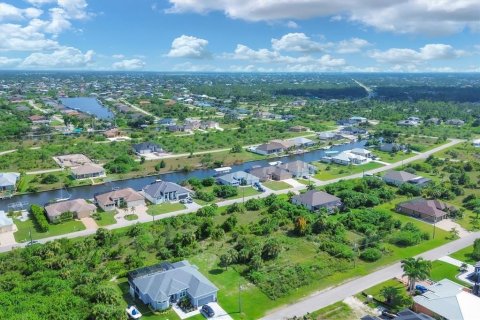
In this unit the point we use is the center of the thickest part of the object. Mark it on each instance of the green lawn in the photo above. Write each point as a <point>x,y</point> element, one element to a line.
<point>336,311</point>
<point>106,219</point>
<point>443,270</point>
<point>465,255</point>
<point>375,290</point>
<point>277,185</point>
<point>242,192</point>
<point>328,171</point>
<point>392,157</point>
<point>131,217</point>
<point>165,208</point>
<point>24,227</point>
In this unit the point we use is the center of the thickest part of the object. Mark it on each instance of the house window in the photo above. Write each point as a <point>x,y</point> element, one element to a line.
<point>183,294</point>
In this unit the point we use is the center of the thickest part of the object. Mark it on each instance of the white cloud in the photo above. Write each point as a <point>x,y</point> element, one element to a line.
<point>296,42</point>
<point>401,16</point>
<point>14,37</point>
<point>62,58</point>
<point>190,67</point>
<point>74,9</point>
<point>352,45</point>
<point>9,12</point>
<point>39,3</point>
<point>409,56</point>
<point>189,47</point>
<point>118,56</point>
<point>292,25</point>
<point>8,62</point>
<point>242,52</point>
<point>129,64</point>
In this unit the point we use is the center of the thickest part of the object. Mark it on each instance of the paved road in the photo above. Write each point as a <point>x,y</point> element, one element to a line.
<point>331,295</point>
<point>191,209</point>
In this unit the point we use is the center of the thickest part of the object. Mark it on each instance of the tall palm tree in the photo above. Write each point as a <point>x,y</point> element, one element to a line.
<point>416,269</point>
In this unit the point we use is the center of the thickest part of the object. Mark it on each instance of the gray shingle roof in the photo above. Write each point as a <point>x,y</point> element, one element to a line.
<point>162,284</point>
<point>401,176</point>
<point>158,188</point>
<point>315,198</point>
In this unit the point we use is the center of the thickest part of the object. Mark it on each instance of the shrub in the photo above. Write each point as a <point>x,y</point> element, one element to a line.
<point>225,191</point>
<point>406,238</point>
<point>49,179</point>
<point>253,204</point>
<point>204,196</point>
<point>371,255</point>
<point>337,249</point>
<point>207,211</point>
<point>39,218</point>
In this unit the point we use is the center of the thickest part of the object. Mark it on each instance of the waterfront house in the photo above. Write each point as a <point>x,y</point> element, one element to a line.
<point>159,286</point>
<point>239,178</point>
<point>164,191</point>
<point>6,223</point>
<point>88,171</point>
<point>78,207</point>
<point>8,181</point>
<point>119,198</point>
<point>270,173</point>
<point>298,168</point>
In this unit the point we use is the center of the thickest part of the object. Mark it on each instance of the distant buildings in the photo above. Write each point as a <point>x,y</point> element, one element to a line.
<point>410,121</point>
<point>146,148</point>
<point>298,129</point>
<point>455,122</point>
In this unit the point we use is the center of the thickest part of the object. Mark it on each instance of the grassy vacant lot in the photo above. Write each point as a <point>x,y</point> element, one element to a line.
<point>336,311</point>
<point>392,157</point>
<point>328,171</point>
<point>465,255</point>
<point>375,290</point>
<point>242,192</point>
<point>443,270</point>
<point>165,208</point>
<point>277,185</point>
<point>24,227</point>
<point>106,218</point>
<point>29,183</point>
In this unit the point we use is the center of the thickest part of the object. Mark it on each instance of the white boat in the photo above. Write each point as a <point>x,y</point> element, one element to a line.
<point>62,197</point>
<point>222,170</point>
<point>275,163</point>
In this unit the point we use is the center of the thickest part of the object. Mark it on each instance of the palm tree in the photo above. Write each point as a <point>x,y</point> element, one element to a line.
<point>416,269</point>
<point>390,294</point>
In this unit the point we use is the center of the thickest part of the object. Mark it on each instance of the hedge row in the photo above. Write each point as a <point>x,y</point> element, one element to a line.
<point>39,218</point>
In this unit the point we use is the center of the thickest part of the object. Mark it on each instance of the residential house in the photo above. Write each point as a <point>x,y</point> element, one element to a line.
<point>435,121</point>
<point>166,283</point>
<point>239,178</point>
<point>346,158</point>
<point>78,207</point>
<point>448,300</point>
<point>391,147</point>
<point>354,131</point>
<point>72,160</point>
<point>8,181</point>
<point>167,122</point>
<point>300,142</point>
<point>119,198</point>
<point>36,119</point>
<point>358,120</point>
<point>430,210</point>
<point>398,178</point>
<point>88,171</point>
<point>146,148</point>
<point>22,108</point>
<point>315,200</point>
<point>298,168</point>
<point>270,173</point>
<point>164,191</point>
<point>476,143</point>
<point>361,152</point>
<point>6,223</point>
<point>191,124</point>
<point>455,122</point>
<point>298,129</point>
<point>410,121</point>
<point>273,147</point>
<point>112,133</point>
<point>329,136</point>
<point>175,128</point>
<point>208,124</point>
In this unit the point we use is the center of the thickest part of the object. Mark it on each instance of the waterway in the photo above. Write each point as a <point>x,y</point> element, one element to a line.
<point>88,192</point>
<point>88,105</point>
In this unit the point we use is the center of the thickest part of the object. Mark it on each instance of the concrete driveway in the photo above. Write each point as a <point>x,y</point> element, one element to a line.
<point>220,314</point>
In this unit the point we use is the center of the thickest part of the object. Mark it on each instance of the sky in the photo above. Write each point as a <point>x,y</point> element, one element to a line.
<point>241,35</point>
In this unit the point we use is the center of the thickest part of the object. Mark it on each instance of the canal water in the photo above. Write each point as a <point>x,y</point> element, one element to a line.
<point>88,105</point>
<point>87,192</point>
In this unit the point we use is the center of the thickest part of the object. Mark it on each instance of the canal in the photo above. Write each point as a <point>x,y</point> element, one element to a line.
<point>87,192</point>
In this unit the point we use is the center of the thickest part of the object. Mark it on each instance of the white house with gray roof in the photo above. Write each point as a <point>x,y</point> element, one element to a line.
<point>239,178</point>
<point>398,178</point>
<point>161,285</point>
<point>164,191</point>
<point>315,200</point>
<point>8,181</point>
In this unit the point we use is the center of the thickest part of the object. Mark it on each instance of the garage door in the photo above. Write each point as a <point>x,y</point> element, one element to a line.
<point>205,300</point>
<point>183,196</point>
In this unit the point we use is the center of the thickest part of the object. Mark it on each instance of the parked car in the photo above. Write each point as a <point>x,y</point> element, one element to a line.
<point>421,288</point>
<point>388,315</point>
<point>31,243</point>
<point>208,311</point>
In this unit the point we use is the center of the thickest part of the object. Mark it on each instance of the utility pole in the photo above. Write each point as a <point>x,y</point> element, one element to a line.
<point>239,298</point>
<point>30,233</point>
<point>434,227</point>
<point>243,195</point>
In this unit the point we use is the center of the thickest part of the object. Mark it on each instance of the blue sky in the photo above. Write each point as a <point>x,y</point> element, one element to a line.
<point>241,35</point>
